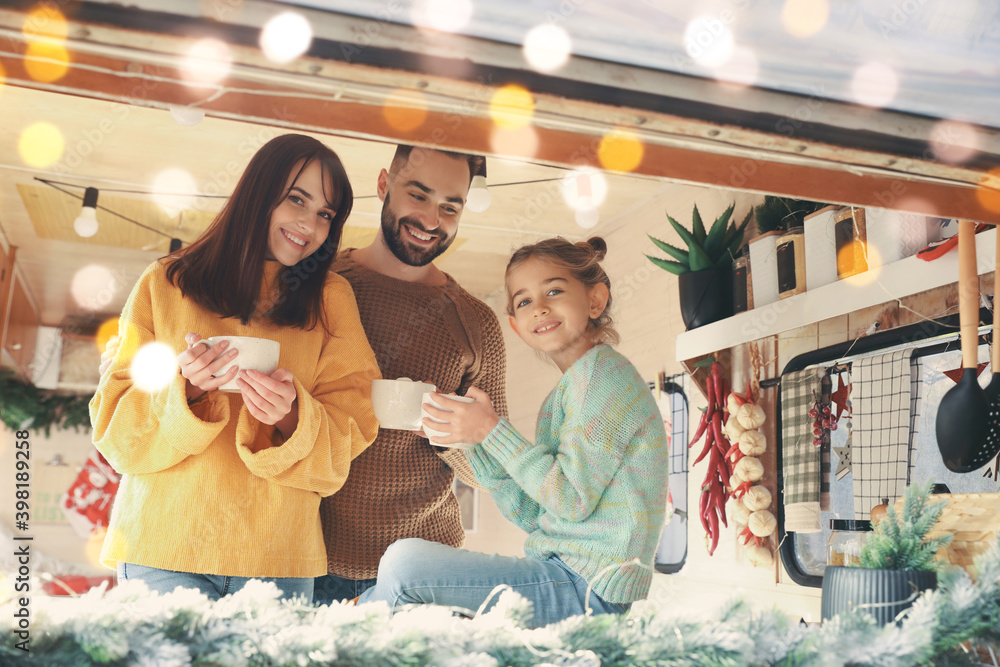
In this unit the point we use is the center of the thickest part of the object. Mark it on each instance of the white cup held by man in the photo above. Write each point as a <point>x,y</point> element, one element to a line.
<point>396,403</point>
<point>434,433</point>
<point>256,354</point>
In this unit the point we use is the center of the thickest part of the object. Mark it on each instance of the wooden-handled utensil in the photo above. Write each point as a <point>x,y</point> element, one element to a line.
<point>992,446</point>
<point>961,425</point>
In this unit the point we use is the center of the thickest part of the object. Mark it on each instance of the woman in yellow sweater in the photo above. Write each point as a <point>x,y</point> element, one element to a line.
<point>217,487</point>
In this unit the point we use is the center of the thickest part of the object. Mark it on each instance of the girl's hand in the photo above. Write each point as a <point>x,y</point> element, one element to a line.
<point>270,398</point>
<point>199,362</point>
<point>467,422</point>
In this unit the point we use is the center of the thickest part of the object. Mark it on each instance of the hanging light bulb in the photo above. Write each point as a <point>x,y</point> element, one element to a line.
<point>587,215</point>
<point>187,116</point>
<point>479,198</point>
<point>588,218</point>
<point>86,223</point>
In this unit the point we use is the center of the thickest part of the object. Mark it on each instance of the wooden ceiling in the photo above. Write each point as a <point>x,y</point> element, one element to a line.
<point>38,218</point>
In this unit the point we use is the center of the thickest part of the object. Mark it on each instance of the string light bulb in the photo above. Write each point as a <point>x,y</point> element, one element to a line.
<point>479,198</point>
<point>86,223</point>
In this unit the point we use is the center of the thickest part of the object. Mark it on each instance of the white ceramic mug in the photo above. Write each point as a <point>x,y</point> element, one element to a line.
<point>396,403</point>
<point>434,433</point>
<point>257,354</point>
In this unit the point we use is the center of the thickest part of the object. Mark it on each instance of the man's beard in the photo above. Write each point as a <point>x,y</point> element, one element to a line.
<point>392,231</point>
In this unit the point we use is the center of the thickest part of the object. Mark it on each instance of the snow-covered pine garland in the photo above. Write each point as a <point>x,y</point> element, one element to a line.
<point>127,626</point>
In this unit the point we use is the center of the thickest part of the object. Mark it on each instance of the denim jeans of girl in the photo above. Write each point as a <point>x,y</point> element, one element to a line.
<point>213,585</point>
<point>415,571</point>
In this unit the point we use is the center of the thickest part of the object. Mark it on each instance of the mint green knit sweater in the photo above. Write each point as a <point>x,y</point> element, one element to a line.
<point>593,488</point>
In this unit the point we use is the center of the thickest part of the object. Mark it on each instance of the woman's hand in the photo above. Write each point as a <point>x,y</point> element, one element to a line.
<point>270,398</point>
<point>199,362</point>
<point>467,422</point>
<point>110,350</point>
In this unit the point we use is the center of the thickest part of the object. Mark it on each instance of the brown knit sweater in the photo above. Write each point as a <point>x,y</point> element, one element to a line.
<point>401,485</point>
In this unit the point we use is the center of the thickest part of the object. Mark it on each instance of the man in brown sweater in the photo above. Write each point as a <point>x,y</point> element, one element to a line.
<point>422,325</point>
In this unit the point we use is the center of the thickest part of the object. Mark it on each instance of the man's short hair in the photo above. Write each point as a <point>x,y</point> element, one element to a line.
<point>477,163</point>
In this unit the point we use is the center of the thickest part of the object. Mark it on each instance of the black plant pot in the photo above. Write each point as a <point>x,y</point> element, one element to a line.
<point>880,593</point>
<point>705,296</point>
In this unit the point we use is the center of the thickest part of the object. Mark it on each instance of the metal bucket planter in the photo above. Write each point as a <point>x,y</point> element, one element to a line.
<point>705,296</point>
<point>880,593</point>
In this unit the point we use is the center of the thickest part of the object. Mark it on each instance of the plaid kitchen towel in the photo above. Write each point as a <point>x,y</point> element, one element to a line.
<point>800,458</point>
<point>880,450</point>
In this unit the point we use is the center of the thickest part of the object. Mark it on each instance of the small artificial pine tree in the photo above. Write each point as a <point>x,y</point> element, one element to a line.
<point>899,541</point>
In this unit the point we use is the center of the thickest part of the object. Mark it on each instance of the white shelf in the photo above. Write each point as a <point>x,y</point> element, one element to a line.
<point>908,276</point>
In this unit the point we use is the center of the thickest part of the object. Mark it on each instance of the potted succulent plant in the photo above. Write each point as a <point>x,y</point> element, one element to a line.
<point>896,563</point>
<point>704,270</point>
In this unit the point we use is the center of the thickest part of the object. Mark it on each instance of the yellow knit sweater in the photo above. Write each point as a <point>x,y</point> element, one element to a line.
<point>208,488</point>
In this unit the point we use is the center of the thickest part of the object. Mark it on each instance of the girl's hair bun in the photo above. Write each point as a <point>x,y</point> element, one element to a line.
<point>598,246</point>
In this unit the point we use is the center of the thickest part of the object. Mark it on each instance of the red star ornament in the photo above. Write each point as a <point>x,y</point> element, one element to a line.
<point>840,397</point>
<point>956,373</point>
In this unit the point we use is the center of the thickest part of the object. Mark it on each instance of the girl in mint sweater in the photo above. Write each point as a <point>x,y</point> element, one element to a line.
<point>590,492</point>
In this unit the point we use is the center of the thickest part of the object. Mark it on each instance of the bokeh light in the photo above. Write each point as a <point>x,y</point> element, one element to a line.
<point>286,37</point>
<point>988,192</point>
<point>46,61</point>
<point>849,253</point>
<point>104,333</point>
<point>95,543</point>
<point>443,15</point>
<point>153,367</point>
<point>174,190</point>
<point>916,204</point>
<point>588,218</point>
<point>620,150</point>
<point>522,141</point>
<point>954,142</point>
<point>45,21</point>
<point>93,287</point>
<point>584,188</point>
<point>187,116</point>
<point>405,110</point>
<point>874,84</point>
<point>804,18</point>
<point>743,69</point>
<point>547,47</point>
<point>41,144</point>
<point>709,41</point>
<point>208,61</point>
<point>512,107</point>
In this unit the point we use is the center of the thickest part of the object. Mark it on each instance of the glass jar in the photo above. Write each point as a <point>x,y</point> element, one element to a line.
<point>847,537</point>
<point>851,237</point>
<point>791,253</point>
<point>741,284</point>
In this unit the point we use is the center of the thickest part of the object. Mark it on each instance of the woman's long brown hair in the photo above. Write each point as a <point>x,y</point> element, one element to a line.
<point>222,270</point>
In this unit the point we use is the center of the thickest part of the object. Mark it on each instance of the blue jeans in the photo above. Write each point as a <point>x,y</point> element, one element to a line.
<point>214,586</point>
<point>329,588</point>
<point>415,571</point>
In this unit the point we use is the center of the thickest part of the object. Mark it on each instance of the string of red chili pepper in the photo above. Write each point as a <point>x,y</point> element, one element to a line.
<point>715,489</point>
